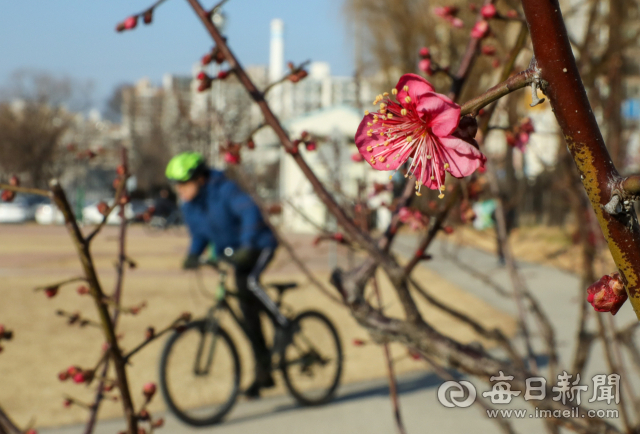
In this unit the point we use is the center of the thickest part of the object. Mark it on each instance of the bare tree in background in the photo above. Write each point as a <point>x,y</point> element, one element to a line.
<point>34,117</point>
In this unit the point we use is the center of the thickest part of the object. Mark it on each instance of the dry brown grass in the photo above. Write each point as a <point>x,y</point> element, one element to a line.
<point>44,345</point>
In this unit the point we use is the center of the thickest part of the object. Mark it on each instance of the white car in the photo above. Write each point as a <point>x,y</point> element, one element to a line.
<point>49,214</point>
<point>21,209</point>
<point>91,215</point>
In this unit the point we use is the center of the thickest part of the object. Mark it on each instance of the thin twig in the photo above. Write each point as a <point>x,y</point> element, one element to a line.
<point>25,190</point>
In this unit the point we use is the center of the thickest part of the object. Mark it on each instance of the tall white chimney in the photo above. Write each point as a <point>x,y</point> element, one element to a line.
<point>276,54</point>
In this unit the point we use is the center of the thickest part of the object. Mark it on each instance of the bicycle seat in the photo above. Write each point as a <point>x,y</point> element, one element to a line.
<point>282,287</point>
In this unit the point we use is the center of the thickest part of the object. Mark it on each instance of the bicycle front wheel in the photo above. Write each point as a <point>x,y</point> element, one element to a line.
<point>200,373</point>
<point>311,363</point>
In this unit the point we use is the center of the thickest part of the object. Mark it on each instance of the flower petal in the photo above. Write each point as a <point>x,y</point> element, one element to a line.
<point>417,85</point>
<point>370,147</point>
<point>363,141</point>
<point>439,113</point>
<point>462,157</point>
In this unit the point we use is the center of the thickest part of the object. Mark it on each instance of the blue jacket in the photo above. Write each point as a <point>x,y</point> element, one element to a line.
<point>225,216</point>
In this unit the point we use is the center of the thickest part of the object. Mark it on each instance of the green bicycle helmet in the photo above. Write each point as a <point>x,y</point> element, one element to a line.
<point>186,166</point>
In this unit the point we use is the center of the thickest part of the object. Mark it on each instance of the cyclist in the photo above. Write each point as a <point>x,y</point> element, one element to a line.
<point>218,213</point>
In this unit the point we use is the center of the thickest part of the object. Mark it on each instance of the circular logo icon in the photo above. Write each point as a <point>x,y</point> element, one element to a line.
<point>456,394</point>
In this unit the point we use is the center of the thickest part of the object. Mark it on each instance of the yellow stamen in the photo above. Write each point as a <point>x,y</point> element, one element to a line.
<point>390,115</point>
<point>381,159</point>
<point>394,91</point>
<point>403,112</point>
<point>440,196</point>
<point>428,157</point>
<point>418,193</point>
<point>407,98</point>
<point>369,124</point>
<point>369,148</point>
<point>385,94</point>
<point>387,166</point>
<point>369,134</point>
<point>406,88</point>
<point>433,177</point>
<point>366,112</point>
<point>446,165</point>
<point>409,138</point>
<point>390,176</point>
<point>442,188</point>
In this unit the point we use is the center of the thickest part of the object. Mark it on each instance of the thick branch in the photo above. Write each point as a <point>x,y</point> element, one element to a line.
<point>563,85</point>
<point>82,249</point>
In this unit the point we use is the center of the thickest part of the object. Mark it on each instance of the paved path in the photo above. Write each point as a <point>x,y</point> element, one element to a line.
<point>365,408</point>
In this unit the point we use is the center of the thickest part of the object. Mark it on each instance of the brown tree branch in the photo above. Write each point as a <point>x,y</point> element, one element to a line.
<point>562,84</point>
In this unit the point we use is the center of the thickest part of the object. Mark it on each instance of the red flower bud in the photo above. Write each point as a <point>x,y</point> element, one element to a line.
<point>448,230</point>
<point>31,431</point>
<point>202,76</point>
<point>120,170</point>
<point>488,11</point>
<point>358,342</point>
<point>150,333</point>
<point>143,415</point>
<point>231,158</point>
<point>512,13</point>
<point>7,195</point>
<point>51,291</point>
<point>82,290</point>
<point>338,237</point>
<point>425,53</point>
<point>14,180</point>
<point>302,74</point>
<point>131,22</point>
<point>223,74</point>
<point>79,378</point>
<point>158,423</point>
<point>311,146</point>
<point>108,387</point>
<point>73,370</point>
<point>67,403</point>
<point>148,16</point>
<point>63,376</point>
<point>149,390</point>
<point>293,78</point>
<point>251,144</point>
<point>206,59</point>
<point>607,294</point>
<point>103,208</point>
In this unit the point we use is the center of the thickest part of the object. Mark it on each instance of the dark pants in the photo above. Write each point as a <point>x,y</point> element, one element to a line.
<point>253,299</point>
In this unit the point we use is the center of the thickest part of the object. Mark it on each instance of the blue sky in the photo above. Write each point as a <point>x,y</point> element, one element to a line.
<point>77,37</point>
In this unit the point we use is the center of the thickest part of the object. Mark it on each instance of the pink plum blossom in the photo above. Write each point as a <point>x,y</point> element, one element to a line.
<point>488,11</point>
<point>480,30</point>
<point>417,123</point>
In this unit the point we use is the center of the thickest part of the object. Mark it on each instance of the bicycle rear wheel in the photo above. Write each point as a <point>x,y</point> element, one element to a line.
<point>200,374</point>
<point>311,363</point>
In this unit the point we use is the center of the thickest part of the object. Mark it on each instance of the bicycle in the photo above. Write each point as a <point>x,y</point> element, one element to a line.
<point>203,355</point>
